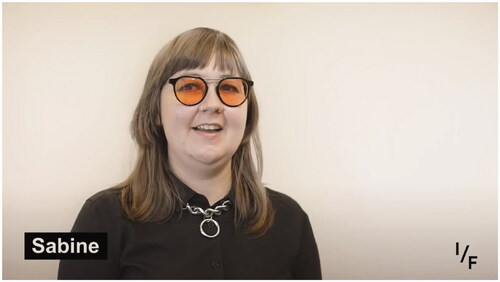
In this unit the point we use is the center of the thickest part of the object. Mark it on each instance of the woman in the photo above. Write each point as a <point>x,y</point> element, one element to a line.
<point>194,207</point>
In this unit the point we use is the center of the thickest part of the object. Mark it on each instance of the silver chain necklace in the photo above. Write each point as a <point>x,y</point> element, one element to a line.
<point>208,214</point>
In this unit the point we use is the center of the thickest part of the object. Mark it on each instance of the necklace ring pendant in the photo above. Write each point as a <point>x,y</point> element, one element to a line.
<point>208,220</point>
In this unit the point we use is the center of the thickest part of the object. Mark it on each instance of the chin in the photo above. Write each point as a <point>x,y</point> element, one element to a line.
<point>213,155</point>
<point>210,158</point>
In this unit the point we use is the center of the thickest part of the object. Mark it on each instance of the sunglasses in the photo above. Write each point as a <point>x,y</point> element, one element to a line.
<point>191,90</point>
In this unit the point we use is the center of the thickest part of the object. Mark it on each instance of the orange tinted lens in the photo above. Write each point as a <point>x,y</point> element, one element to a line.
<point>189,90</point>
<point>232,91</point>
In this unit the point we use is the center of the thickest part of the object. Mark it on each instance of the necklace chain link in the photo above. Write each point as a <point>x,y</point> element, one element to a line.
<point>209,212</point>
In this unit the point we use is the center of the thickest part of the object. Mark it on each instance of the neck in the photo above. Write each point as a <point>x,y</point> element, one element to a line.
<point>213,182</point>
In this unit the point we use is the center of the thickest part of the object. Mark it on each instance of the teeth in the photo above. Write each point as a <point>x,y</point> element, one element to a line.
<point>208,127</point>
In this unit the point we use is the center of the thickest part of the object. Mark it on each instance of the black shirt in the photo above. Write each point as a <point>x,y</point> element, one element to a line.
<point>177,250</point>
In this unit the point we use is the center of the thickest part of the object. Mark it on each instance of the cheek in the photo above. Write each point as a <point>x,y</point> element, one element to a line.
<point>176,120</point>
<point>174,116</point>
<point>240,118</point>
<point>167,112</point>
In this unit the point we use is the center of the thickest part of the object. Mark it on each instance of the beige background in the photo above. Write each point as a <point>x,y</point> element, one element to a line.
<point>379,119</point>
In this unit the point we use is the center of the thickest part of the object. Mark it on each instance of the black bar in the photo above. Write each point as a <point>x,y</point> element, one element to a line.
<point>65,245</point>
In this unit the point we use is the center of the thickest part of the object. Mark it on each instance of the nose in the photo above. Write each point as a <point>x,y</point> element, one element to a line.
<point>211,102</point>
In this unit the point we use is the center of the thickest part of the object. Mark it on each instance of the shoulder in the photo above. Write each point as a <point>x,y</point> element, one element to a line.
<point>289,219</point>
<point>284,204</point>
<point>107,200</point>
<point>99,210</point>
<point>106,196</point>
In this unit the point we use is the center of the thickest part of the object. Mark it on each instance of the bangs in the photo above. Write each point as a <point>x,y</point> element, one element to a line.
<point>196,50</point>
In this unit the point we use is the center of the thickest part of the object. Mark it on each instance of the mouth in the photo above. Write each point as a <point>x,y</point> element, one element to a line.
<point>208,127</point>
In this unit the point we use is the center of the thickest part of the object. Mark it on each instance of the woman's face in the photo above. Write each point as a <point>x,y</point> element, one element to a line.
<point>188,142</point>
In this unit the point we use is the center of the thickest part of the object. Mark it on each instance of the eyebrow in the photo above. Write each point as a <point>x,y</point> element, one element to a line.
<point>197,74</point>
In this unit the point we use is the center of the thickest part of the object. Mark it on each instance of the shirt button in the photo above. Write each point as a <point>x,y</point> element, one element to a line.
<point>215,264</point>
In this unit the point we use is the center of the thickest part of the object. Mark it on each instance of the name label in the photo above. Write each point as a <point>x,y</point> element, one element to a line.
<point>65,245</point>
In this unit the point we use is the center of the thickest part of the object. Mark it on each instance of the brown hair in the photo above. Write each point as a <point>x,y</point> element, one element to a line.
<point>149,193</point>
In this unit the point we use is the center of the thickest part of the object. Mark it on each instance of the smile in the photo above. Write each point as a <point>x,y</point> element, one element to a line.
<point>208,127</point>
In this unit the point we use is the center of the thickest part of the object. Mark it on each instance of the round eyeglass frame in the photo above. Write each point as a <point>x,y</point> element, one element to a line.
<point>248,82</point>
